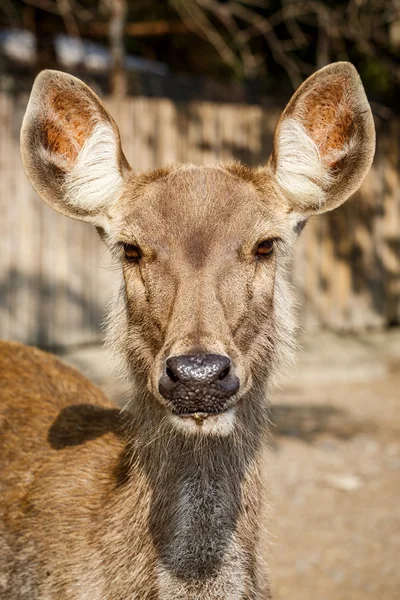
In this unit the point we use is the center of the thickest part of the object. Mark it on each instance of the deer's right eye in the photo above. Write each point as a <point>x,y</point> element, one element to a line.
<point>132,252</point>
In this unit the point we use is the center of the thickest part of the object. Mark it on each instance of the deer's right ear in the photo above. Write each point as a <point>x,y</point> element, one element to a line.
<point>71,149</point>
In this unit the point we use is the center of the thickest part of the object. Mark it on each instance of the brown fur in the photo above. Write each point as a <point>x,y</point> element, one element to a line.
<point>144,504</point>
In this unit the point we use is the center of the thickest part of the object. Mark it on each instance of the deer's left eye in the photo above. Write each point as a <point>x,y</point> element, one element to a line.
<point>132,252</point>
<point>265,248</point>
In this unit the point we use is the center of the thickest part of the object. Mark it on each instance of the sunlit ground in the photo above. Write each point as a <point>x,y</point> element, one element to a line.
<point>335,478</point>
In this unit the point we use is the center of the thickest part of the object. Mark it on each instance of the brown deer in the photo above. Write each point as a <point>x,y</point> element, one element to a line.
<point>165,500</point>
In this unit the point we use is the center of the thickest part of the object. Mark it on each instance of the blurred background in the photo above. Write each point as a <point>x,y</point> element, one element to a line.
<point>202,81</point>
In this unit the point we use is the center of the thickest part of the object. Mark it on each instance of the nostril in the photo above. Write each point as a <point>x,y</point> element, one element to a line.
<point>171,375</point>
<point>224,373</point>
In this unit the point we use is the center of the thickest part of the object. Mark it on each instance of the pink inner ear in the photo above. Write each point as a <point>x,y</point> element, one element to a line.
<point>67,124</point>
<point>329,119</point>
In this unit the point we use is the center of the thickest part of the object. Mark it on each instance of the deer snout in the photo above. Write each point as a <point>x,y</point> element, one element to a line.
<point>200,383</point>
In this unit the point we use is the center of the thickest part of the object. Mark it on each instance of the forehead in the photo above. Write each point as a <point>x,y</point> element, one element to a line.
<point>202,203</point>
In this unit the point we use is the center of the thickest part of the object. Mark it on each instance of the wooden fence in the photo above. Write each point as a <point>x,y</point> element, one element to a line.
<point>56,277</point>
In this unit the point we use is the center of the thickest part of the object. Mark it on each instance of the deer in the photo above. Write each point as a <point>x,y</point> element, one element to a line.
<point>165,500</point>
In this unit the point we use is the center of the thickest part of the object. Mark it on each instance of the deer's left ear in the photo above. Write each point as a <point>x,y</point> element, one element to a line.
<point>324,142</point>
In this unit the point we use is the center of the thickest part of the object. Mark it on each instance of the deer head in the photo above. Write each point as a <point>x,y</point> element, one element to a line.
<point>206,313</point>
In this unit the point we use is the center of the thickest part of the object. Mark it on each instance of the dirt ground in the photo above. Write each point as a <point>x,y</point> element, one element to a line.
<point>334,467</point>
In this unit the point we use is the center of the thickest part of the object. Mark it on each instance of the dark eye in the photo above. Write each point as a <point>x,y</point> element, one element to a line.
<point>132,252</point>
<point>265,248</point>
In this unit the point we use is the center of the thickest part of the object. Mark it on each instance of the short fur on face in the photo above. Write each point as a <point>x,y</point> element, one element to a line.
<point>199,285</point>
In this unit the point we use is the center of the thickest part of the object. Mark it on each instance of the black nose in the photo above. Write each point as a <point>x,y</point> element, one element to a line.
<point>198,383</point>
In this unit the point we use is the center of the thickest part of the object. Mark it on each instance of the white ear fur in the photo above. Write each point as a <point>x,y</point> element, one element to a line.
<point>300,171</point>
<point>95,180</point>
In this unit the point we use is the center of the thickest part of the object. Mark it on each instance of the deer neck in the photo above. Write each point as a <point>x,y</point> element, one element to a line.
<point>204,509</point>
